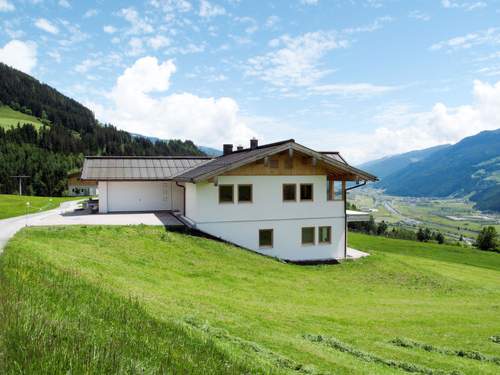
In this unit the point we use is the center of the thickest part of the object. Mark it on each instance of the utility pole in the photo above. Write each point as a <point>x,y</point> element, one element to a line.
<point>20,178</point>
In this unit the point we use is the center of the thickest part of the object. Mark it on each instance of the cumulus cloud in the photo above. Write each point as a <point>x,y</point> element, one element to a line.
<point>46,25</point>
<point>403,130</point>
<point>295,61</point>
<point>109,29</point>
<point>138,106</point>
<point>6,6</point>
<point>208,9</point>
<point>20,55</point>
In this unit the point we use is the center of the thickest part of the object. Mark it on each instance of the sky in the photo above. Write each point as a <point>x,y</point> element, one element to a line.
<point>368,78</point>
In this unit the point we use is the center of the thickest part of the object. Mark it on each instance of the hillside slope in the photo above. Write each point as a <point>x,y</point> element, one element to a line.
<point>48,153</point>
<point>10,117</point>
<point>390,164</point>
<point>249,308</point>
<point>471,166</point>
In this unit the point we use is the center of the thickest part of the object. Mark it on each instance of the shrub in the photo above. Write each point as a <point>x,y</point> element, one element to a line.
<point>487,239</point>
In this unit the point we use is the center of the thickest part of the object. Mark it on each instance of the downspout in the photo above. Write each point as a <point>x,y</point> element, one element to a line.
<point>184,195</point>
<point>345,214</point>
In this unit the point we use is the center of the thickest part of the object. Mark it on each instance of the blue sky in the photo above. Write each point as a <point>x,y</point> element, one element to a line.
<point>368,78</point>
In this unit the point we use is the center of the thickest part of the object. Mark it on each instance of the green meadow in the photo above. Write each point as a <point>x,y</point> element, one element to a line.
<point>145,300</point>
<point>10,117</point>
<point>16,205</point>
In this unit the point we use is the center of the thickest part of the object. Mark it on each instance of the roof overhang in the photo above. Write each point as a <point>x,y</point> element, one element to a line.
<point>341,167</point>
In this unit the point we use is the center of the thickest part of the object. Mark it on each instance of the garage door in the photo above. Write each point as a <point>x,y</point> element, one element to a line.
<point>139,196</point>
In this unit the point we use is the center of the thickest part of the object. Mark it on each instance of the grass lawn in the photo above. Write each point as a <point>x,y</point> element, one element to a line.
<point>139,299</point>
<point>15,205</point>
<point>10,117</point>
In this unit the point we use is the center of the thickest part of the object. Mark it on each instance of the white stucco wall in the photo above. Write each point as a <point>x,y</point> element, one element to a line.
<point>116,196</point>
<point>240,222</point>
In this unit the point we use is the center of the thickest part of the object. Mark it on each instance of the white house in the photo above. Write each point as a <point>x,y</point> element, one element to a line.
<point>281,199</point>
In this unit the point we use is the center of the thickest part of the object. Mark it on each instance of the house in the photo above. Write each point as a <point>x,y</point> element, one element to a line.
<point>281,199</point>
<point>78,187</point>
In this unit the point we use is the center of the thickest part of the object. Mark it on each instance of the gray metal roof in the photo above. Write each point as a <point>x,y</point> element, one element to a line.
<point>138,168</point>
<point>241,157</point>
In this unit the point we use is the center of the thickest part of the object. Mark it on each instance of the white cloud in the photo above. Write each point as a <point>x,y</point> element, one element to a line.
<point>20,55</point>
<point>136,47</point>
<point>55,55</point>
<point>139,107</point>
<point>309,2</point>
<point>91,13</point>
<point>466,5</point>
<point>138,24</point>
<point>46,25</point>
<point>109,29</point>
<point>418,15</point>
<point>158,41</point>
<point>295,60</point>
<point>402,129</point>
<point>271,22</point>
<point>489,36</point>
<point>86,65</point>
<point>352,89</point>
<point>172,5</point>
<point>6,6</point>
<point>64,3</point>
<point>208,9</point>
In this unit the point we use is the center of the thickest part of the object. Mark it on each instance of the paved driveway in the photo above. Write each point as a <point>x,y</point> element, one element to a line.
<point>69,214</point>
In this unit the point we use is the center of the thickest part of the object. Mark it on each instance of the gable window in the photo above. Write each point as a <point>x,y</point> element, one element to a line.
<point>308,236</point>
<point>306,192</point>
<point>226,193</point>
<point>335,190</point>
<point>244,193</point>
<point>325,235</point>
<point>289,192</point>
<point>266,238</point>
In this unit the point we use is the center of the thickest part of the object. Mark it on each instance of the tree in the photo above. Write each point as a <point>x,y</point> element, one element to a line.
<point>424,235</point>
<point>439,238</point>
<point>487,239</point>
<point>382,228</point>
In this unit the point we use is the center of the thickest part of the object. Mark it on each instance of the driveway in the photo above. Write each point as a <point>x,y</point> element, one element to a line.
<point>69,214</point>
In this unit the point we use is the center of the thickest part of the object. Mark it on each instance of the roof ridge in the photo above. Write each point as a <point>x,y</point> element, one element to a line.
<point>149,157</point>
<point>260,147</point>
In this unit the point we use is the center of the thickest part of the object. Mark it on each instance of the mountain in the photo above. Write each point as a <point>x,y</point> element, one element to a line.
<point>470,167</point>
<point>390,164</point>
<point>52,132</point>
<point>206,150</point>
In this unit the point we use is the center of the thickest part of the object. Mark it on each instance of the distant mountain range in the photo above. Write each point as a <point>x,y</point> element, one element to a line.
<point>470,168</point>
<point>207,150</point>
<point>390,164</point>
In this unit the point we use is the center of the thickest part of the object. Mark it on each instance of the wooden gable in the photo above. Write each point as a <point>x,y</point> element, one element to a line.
<point>287,163</point>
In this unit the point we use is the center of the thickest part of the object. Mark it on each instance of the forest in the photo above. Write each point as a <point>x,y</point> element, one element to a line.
<point>70,131</point>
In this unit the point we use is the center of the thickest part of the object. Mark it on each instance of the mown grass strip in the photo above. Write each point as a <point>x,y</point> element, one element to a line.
<point>53,322</point>
<point>336,344</point>
<point>264,354</point>
<point>469,354</point>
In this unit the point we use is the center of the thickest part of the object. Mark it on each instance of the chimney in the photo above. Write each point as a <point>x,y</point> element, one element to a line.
<point>239,148</point>
<point>227,149</point>
<point>254,143</point>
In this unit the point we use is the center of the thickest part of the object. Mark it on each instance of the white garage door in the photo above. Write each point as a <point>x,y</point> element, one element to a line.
<point>139,196</point>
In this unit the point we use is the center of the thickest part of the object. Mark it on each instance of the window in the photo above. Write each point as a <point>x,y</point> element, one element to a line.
<point>308,236</point>
<point>325,234</point>
<point>244,193</point>
<point>289,192</point>
<point>265,238</point>
<point>335,190</point>
<point>306,192</point>
<point>226,194</point>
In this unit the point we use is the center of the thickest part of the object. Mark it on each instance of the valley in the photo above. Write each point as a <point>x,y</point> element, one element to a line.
<point>454,217</point>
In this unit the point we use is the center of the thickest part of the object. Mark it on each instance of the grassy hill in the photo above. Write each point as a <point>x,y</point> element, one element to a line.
<point>9,118</point>
<point>15,205</point>
<point>139,299</point>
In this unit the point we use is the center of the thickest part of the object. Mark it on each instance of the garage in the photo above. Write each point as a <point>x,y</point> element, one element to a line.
<point>139,183</point>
